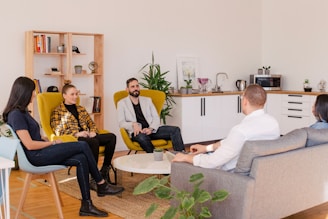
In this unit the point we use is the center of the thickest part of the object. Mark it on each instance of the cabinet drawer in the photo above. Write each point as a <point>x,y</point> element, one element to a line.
<point>296,105</point>
<point>299,112</point>
<point>295,98</point>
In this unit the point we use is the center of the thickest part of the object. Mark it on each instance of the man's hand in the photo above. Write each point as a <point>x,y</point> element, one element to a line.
<point>136,128</point>
<point>147,131</point>
<point>197,149</point>
<point>180,157</point>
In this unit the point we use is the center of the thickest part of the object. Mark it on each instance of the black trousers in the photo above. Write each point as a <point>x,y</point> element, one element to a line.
<point>108,140</point>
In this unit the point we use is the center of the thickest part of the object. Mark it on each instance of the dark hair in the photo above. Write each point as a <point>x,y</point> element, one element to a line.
<point>321,107</point>
<point>20,96</point>
<point>255,95</point>
<point>66,87</point>
<point>130,80</point>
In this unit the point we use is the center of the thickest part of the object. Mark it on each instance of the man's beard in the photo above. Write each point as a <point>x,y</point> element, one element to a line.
<point>135,93</point>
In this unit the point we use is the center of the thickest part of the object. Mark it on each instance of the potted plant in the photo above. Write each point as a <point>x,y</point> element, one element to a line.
<point>155,79</point>
<point>78,69</point>
<point>189,205</point>
<point>188,85</point>
<point>158,154</point>
<point>266,69</point>
<point>306,86</point>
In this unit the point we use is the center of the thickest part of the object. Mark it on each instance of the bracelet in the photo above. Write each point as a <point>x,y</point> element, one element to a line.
<point>209,148</point>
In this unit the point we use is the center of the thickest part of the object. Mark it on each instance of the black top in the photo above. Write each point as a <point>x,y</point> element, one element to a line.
<point>73,109</point>
<point>140,117</point>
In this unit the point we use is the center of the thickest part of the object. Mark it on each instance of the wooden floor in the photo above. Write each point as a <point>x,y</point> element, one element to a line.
<point>39,203</point>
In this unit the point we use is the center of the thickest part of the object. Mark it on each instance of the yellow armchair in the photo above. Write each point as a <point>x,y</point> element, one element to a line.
<point>47,102</point>
<point>158,98</point>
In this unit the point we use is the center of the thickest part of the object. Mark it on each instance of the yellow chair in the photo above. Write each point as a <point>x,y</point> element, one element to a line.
<point>47,102</point>
<point>158,98</point>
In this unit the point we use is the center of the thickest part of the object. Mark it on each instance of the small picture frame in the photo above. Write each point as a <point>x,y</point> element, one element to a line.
<point>187,68</point>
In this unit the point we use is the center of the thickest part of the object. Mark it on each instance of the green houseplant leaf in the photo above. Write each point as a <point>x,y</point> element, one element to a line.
<point>190,205</point>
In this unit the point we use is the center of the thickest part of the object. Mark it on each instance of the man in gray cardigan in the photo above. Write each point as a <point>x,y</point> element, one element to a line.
<point>138,115</point>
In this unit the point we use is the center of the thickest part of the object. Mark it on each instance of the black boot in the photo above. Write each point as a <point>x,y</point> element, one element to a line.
<point>105,173</point>
<point>88,209</point>
<point>107,189</point>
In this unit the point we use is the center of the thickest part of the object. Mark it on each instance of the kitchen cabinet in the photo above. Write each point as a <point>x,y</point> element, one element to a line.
<point>292,111</point>
<point>205,118</point>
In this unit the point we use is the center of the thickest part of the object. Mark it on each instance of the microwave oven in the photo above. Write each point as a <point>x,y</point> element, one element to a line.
<point>268,82</point>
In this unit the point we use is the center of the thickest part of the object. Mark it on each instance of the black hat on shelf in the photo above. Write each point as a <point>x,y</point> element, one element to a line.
<point>52,89</point>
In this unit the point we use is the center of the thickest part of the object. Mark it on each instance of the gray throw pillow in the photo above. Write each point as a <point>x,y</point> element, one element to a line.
<point>252,149</point>
<point>316,136</point>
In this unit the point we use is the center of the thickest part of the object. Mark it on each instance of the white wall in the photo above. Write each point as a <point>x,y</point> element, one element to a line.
<point>295,40</point>
<point>224,35</point>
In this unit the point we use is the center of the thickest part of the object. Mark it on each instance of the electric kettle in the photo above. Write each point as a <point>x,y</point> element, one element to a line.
<point>241,85</point>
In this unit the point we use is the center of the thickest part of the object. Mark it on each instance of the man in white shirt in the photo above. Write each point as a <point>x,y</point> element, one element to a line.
<point>257,125</point>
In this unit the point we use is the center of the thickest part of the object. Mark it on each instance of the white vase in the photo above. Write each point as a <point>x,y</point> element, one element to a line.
<point>158,155</point>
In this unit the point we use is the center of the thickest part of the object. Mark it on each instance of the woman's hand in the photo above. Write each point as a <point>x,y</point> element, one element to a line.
<point>92,134</point>
<point>84,134</point>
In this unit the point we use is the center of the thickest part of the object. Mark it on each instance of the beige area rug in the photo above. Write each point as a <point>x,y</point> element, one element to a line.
<point>127,206</point>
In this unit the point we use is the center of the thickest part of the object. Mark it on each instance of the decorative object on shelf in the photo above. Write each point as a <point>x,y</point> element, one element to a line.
<point>192,204</point>
<point>187,68</point>
<point>322,86</point>
<point>306,86</point>
<point>78,69</point>
<point>204,84</point>
<point>93,66</point>
<point>52,89</point>
<point>61,49</point>
<point>183,90</point>
<point>155,79</point>
<point>260,71</point>
<point>54,69</point>
<point>266,69</point>
<point>96,104</point>
<point>189,85</point>
<point>158,154</point>
<point>75,49</point>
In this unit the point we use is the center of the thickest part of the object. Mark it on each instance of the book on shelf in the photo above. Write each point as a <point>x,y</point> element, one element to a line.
<point>42,43</point>
<point>37,86</point>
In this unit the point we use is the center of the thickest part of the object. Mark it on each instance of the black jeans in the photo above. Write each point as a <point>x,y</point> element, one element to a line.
<point>164,132</point>
<point>70,154</point>
<point>108,140</point>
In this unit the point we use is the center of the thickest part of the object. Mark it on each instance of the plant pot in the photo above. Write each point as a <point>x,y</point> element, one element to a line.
<point>189,90</point>
<point>158,155</point>
<point>267,71</point>
<point>183,90</point>
<point>78,69</point>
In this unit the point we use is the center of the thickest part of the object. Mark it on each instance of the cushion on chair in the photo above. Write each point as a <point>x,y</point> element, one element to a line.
<point>316,136</point>
<point>252,149</point>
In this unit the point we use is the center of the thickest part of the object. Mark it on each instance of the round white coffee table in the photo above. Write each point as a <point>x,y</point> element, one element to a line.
<point>143,163</point>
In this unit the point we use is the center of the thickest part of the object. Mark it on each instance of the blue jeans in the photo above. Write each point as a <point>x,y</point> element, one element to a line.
<point>164,132</point>
<point>70,154</point>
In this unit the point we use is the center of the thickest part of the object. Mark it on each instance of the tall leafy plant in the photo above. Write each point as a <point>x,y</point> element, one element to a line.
<point>155,79</point>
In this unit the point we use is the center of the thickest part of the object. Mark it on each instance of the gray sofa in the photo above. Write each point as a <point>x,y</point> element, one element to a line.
<point>273,178</point>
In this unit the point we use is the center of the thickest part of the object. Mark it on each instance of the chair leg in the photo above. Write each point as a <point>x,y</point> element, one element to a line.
<point>55,192</point>
<point>69,170</point>
<point>129,152</point>
<point>26,186</point>
<point>115,174</point>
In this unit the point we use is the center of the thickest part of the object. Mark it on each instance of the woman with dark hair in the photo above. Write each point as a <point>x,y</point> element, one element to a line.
<point>42,153</point>
<point>70,118</point>
<point>320,111</point>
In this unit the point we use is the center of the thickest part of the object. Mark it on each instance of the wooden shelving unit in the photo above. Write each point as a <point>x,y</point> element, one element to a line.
<point>38,64</point>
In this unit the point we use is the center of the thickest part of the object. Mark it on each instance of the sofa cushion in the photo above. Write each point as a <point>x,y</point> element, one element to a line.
<point>252,149</point>
<point>316,136</point>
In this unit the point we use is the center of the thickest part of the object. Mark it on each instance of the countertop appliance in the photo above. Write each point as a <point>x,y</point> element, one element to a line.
<point>268,82</point>
<point>241,85</point>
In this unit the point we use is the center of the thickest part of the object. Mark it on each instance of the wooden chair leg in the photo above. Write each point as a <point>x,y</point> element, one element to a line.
<point>26,186</point>
<point>55,192</point>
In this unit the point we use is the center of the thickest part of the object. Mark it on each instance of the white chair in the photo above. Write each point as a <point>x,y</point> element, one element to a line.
<point>8,148</point>
<point>37,172</point>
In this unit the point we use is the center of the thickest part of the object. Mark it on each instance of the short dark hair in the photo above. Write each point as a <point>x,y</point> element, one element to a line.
<point>255,95</point>
<point>130,80</point>
<point>321,107</point>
